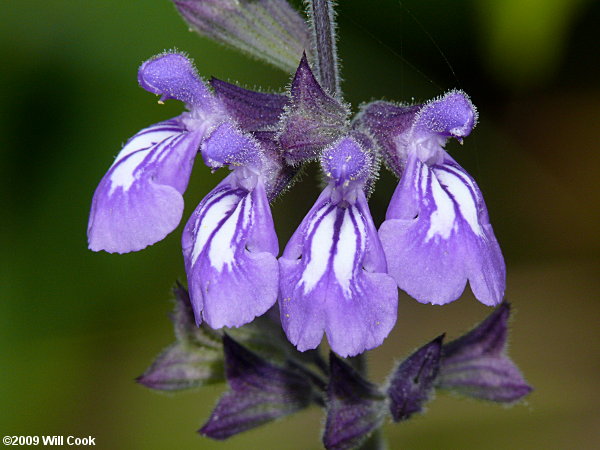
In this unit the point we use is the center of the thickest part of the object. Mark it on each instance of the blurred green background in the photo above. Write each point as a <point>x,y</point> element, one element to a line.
<point>77,327</point>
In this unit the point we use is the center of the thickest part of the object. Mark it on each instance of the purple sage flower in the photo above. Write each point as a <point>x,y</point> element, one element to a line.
<point>229,243</point>
<point>333,271</point>
<point>437,233</point>
<point>139,200</point>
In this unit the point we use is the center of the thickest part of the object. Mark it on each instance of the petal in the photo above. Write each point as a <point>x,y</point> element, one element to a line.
<point>398,129</point>
<point>226,145</point>
<point>173,76</point>
<point>451,115</point>
<point>229,247</point>
<point>374,255</point>
<point>330,288</point>
<point>138,202</point>
<point>346,162</point>
<point>437,236</point>
<point>247,155</point>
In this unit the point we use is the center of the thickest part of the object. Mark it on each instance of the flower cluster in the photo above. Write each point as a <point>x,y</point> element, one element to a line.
<point>338,274</point>
<point>255,317</point>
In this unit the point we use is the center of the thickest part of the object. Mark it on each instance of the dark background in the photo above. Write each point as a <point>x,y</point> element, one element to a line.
<point>77,327</point>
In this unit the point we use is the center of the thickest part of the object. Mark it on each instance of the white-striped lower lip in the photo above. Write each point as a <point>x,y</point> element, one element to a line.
<point>215,213</point>
<point>335,244</point>
<point>448,197</point>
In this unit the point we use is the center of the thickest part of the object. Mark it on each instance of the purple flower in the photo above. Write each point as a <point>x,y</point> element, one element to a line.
<point>139,200</point>
<point>333,270</point>
<point>229,243</point>
<point>437,233</point>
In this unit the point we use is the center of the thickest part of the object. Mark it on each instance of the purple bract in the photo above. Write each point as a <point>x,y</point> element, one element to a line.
<point>259,392</point>
<point>476,364</point>
<point>356,407</point>
<point>413,380</point>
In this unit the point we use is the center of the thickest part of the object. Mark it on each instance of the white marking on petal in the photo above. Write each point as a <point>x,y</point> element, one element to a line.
<point>320,251</point>
<point>424,177</point>
<point>350,247</point>
<point>462,175</point>
<point>214,213</point>
<point>145,139</point>
<point>463,196</point>
<point>441,221</point>
<point>123,175</point>
<point>223,246</point>
<point>153,143</point>
<point>316,219</point>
